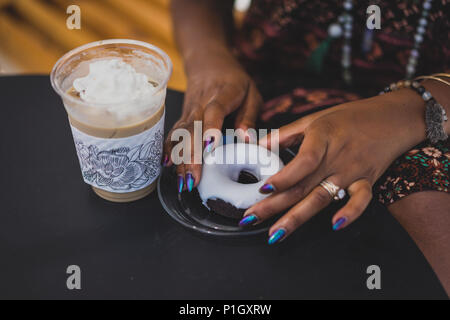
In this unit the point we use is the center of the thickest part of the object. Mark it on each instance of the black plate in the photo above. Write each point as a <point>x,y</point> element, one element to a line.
<point>187,208</point>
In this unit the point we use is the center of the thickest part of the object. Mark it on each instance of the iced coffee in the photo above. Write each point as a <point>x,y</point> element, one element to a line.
<point>114,93</point>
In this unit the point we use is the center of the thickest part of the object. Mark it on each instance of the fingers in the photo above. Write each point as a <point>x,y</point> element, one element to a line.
<point>193,168</point>
<point>288,135</point>
<point>191,103</point>
<point>186,153</point>
<point>212,124</point>
<point>181,174</point>
<point>192,176</point>
<point>360,195</point>
<point>277,203</point>
<point>225,101</point>
<point>205,116</point>
<point>293,132</point>
<point>248,113</point>
<point>318,199</point>
<point>307,160</point>
<point>169,144</point>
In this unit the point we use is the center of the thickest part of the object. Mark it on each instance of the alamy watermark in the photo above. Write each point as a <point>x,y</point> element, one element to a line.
<point>374,19</point>
<point>74,20</point>
<point>374,280</point>
<point>74,279</point>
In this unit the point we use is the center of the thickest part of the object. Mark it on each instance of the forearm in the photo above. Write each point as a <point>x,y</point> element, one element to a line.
<point>202,30</point>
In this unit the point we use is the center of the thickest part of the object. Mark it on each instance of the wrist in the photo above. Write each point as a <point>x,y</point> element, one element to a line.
<point>208,56</point>
<point>407,110</point>
<point>435,120</point>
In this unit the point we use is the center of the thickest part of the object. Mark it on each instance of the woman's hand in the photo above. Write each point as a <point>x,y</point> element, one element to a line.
<point>350,145</point>
<point>217,86</point>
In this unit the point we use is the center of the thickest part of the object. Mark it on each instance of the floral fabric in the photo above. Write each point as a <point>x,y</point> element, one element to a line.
<point>424,168</point>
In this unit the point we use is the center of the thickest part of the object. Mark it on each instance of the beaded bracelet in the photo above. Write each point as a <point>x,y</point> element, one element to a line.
<point>435,114</point>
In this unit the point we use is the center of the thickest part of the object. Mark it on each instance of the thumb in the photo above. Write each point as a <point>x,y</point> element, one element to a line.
<point>288,135</point>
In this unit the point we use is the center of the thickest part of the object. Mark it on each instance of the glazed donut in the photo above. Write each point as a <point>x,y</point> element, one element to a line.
<point>232,175</point>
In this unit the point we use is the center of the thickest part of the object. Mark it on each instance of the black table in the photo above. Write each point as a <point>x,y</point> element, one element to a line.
<point>50,219</point>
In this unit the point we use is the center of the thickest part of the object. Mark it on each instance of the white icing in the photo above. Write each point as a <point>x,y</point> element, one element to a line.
<point>221,170</point>
<point>112,81</point>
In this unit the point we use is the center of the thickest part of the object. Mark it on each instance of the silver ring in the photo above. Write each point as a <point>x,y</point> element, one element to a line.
<point>335,192</point>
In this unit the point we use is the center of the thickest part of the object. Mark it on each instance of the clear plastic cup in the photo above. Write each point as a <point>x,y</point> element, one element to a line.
<point>119,149</point>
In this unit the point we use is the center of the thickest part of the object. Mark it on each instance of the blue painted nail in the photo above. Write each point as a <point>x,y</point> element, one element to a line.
<point>180,184</point>
<point>339,224</point>
<point>190,181</point>
<point>277,236</point>
<point>248,220</point>
<point>209,143</point>
<point>267,188</point>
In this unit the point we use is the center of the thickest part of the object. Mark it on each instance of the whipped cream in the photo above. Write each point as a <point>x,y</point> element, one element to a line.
<point>115,82</point>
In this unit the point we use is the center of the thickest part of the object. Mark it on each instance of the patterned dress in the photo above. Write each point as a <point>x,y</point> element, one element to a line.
<point>278,39</point>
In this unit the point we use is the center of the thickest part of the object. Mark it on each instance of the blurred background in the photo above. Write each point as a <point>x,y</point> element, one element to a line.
<point>33,33</point>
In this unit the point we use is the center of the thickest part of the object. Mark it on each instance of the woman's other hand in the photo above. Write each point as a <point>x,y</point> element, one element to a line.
<point>350,145</point>
<point>217,83</point>
<point>215,89</point>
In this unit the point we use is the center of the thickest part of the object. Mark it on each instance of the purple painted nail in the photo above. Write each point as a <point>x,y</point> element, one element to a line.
<point>339,224</point>
<point>267,188</point>
<point>190,181</point>
<point>180,184</point>
<point>248,220</point>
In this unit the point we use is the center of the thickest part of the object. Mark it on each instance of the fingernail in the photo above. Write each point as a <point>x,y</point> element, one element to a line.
<point>166,160</point>
<point>209,143</point>
<point>267,188</point>
<point>180,184</point>
<point>248,220</point>
<point>339,224</point>
<point>190,181</point>
<point>277,236</point>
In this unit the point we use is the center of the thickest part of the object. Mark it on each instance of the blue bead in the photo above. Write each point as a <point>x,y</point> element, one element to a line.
<point>348,5</point>
<point>423,22</point>
<point>418,38</point>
